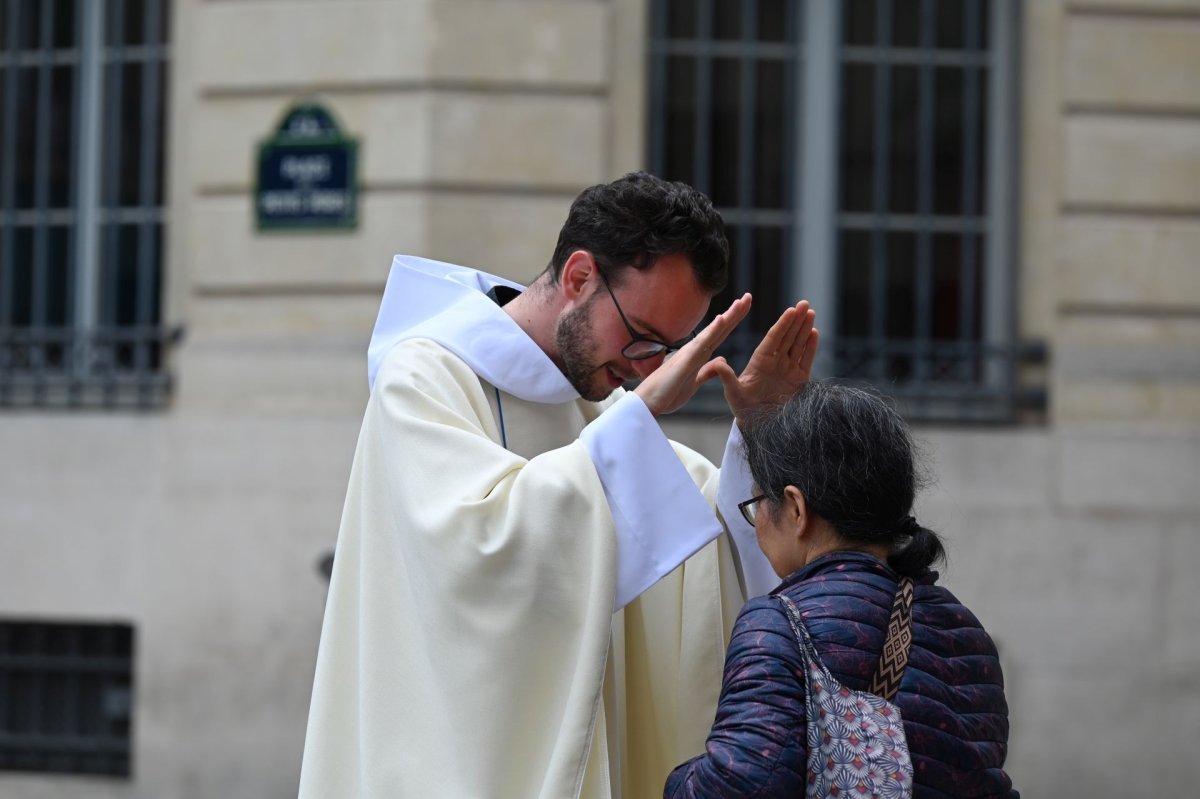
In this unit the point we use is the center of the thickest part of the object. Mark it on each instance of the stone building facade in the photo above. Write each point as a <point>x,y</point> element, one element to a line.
<point>1073,526</point>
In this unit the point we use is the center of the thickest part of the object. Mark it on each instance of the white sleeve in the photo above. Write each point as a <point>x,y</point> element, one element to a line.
<point>736,484</point>
<point>660,516</point>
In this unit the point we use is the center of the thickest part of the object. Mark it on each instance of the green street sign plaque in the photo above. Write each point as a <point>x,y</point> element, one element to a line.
<point>307,174</point>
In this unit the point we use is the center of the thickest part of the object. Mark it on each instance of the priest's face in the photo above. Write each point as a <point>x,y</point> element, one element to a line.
<point>664,303</point>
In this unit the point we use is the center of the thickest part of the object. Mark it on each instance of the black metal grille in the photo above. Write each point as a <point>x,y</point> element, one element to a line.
<point>915,287</point>
<point>723,120</point>
<point>82,96</point>
<point>66,697</point>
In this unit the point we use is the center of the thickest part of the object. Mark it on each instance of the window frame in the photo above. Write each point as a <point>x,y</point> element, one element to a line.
<point>95,358</point>
<point>67,696</point>
<point>812,270</point>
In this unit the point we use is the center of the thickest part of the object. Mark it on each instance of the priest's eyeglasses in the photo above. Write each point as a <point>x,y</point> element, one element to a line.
<point>641,347</point>
<point>749,508</point>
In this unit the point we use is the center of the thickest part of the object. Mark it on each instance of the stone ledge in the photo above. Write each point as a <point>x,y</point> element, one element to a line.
<point>521,42</point>
<point>1157,69</point>
<point>1121,261</point>
<point>288,44</point>
<point>1132,164</point>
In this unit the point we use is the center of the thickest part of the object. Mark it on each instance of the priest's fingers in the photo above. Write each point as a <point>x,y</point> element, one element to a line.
<point>810,352</point>
<point>707,340</point>
<point>781,337</point>
<point>805,317</point>
<point>718,367</point>
<point>732,387</point>
<point>796,318</point>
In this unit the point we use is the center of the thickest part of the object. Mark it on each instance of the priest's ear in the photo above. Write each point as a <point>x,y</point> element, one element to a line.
<point>578,273</point>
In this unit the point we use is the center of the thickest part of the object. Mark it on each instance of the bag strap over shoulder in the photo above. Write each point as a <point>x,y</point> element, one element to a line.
<point>799,630</point>
<point>892,662</point>
<point>890,672</point>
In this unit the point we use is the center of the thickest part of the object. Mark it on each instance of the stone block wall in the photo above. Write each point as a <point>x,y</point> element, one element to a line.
<point>1125,210</point>
<point>478,122</point>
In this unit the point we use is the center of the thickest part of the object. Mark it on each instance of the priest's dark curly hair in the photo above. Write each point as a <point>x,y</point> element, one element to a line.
<point>639,218</point>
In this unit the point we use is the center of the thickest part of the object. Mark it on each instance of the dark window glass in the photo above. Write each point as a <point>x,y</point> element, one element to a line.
<point>67,693</point>
<point>950,24</point>
<point>768,282</point>
<point>902,173</point>
<point>125,278</point>
<point>21,271</point>
<point>64,24</point>
<point>858,24</point>
<point>962,24</point>
<point>947,282</point>
<point>854,284</point>
<point>948,141</point>
<point>910,151</point>
<point>27,22</point>
<point>772,146</point>
<point>680,122</point>
<point>26,138</point>
<point>775,19</point>
<point>906,22</point>
<point>726,139</point>
<point>62,137</point>
<point>681,19</point>
<point>58,286</point>
<point>133,31</point>
<point>901,286</point>
<point>727,19</point>
<point>978,165</point>
<point>857,138</point>
<point>41,271</point>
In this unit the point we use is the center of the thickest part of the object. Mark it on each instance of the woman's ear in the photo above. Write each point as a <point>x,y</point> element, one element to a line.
<point>795,512</point>
<point>576,274</point>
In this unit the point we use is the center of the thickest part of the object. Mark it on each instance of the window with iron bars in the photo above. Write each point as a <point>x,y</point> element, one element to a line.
<point>862,155</point>
<point>66,697</point>
<point>82,110</point>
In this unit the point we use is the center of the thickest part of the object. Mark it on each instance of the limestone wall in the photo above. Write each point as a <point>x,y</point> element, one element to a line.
<point>479,120</point>
<point>1122,127</point>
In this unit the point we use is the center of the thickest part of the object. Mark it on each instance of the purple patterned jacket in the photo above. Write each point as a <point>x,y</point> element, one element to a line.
<point>952,697</point>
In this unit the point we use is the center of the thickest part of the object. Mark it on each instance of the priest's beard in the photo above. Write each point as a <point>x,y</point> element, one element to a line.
<point>575,342</point>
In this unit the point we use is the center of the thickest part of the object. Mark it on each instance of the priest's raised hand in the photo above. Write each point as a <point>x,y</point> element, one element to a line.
<point>780,365</point>
<point>673,383</point>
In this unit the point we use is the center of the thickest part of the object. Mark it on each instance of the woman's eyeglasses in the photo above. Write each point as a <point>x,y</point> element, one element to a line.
<point>749,508</point>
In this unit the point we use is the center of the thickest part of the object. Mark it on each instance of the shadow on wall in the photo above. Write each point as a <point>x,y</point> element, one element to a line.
<point>325,565</point>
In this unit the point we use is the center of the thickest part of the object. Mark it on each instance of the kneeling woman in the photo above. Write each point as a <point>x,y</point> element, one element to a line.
<point>835,471</point>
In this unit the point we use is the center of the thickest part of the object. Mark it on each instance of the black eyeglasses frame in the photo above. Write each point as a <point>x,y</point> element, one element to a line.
<point>649,347</point>
<point>749,508</point>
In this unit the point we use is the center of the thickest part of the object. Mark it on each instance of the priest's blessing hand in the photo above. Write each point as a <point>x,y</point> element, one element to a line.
<point>780,365</point>
<point>672,384</point>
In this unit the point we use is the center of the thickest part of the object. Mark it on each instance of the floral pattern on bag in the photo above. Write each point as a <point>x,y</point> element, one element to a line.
<point>856,743</point>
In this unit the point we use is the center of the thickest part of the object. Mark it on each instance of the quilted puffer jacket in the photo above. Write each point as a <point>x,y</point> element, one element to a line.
<point>951,698</point>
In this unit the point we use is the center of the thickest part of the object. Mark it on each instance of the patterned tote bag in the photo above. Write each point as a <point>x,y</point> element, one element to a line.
<point>856,743</point>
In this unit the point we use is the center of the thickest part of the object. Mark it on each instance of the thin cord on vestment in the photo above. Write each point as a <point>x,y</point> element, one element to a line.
<point>500,410</point>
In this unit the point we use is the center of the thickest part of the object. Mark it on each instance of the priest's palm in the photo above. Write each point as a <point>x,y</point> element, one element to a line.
<point>671,385</point>
<point>779,366</point>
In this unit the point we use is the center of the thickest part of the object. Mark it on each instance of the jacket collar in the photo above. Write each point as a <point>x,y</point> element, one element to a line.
<point>843,560</point>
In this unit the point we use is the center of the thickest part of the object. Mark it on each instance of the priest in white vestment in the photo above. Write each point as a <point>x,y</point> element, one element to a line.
<point>531,592</point>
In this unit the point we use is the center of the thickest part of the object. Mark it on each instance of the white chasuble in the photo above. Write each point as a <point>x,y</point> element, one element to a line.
<point>470,646</point>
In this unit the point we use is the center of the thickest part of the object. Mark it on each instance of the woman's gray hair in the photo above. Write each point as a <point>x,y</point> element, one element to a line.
<point>851,455</point>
